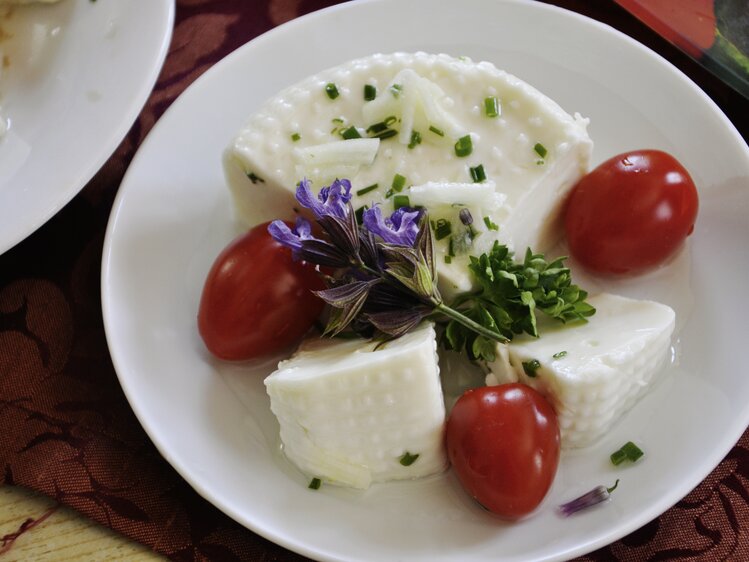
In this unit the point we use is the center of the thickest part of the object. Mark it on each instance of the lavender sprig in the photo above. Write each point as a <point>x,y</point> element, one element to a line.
<point>597,495</point>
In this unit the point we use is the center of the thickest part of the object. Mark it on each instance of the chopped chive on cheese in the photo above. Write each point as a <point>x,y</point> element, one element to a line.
<point>370,92</point>
<point>315,484</point>
<point>464,146</point>
<point>448,259</point>
<point>386,134</point>
<point>531,367</point>
<point>332,90</point>
<point>401,201</point>
<point>359,213</point>
<point>254,178</point>
<point>491,106</point>
<point>350,133</point>
<point>540,150</point>
<point>408,459</point>
<point>295,137</point>
<point>628,452</point>
<point>560,355</point>
<point>442,229</point>
<point>415,139</point>
<point>396,90</point>
<point>389,193</point>
<point>399,182</point>
<point>451,248</point>
<point>490,224</point>
<point>365,190</point>
<point>478,174</point>
<point>337,120</point>
<point>436,131</point>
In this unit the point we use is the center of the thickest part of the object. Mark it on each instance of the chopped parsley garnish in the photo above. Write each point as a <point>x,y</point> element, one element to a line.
<point>436,131</point>
<point>491,106</point>
<point>365,190</point>
<point>540,150</point>
<point>477,173</point>
<point>399,182</point>
<point>370,92</point>
<point>464,146</point>
<point>442,229</point>
<point>560,355</point>
<point>628,452</point>
<point>401,201</point>
<point>531,367</point>
<point>332,90</point>
<point>415,139</point>
<point>350,133</point>
<point>408,459</point>
<point>315,484</point>
<point>254,178</point>
<point>490,224</point>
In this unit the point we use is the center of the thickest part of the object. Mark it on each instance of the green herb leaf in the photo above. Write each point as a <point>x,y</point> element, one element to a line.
<point>491,107</point>
<point>408,459</point>
<point>628,452</point>
<point>332,90</point>
<point>540,150</point>
<point>315,484</point>
<point>415,139</point>
<point>464,146</point>
<point>370,92</point>
<point>490,224</point>
<point>531,367</point>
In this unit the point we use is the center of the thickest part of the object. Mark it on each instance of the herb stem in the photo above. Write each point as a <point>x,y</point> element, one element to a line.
<point>468,323</point>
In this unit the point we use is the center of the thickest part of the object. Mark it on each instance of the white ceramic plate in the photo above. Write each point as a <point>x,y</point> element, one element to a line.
<point>212,421</point>
<point>79,73</point>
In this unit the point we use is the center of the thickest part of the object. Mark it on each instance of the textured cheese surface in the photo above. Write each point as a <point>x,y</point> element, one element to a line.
<point>437,91</point>
<point>609,363</point>
<point>349,411</point>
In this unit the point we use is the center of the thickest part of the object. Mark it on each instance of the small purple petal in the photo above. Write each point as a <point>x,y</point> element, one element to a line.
<point>331,201</point>
<point>595,496</point>
<point>291,238</point>
<point>400,229</point>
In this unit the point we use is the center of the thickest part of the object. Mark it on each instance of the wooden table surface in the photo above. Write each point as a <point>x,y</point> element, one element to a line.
<point>63,535</point>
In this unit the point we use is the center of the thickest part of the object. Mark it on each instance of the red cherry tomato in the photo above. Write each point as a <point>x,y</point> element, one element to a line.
<point>631,212</point>
<point>503,443</point>
<point>256,299</point>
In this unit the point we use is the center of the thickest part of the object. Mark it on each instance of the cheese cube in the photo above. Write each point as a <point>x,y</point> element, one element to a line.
<point>350,410</point>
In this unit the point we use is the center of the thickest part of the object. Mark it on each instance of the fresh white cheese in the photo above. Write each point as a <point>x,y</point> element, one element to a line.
<point>349,410</point>
<point>532,152</point>
<point>592,373</point>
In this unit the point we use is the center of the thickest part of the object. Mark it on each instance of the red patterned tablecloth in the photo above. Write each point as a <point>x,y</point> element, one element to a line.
<point>67,430</point>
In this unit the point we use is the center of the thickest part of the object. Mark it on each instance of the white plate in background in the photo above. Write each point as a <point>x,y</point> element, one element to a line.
<point>76,75</point>
<point>212,421</point>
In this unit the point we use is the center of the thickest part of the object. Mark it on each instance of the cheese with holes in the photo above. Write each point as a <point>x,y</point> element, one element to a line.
<point>352,412</point>
<point>522,161</point>
<point>591,373</point>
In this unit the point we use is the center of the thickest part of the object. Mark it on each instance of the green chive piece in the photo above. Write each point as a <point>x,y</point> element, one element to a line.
<point>396,90</point>
<point>337,120</point>
<point>370,92</point>
<point>415,139</point>
<point>401,201</point>
<point>478,174</point>
<point>442,229</point>
<point>531,367</point>
<point>451,248</point>
<point>560,355</point>
<point>315,484</point>
<point>399,182</point>
<point>540,150</point>
<point>389,193</point>
<point>490,224</point>
<point>365,190</point>
<point>448,259</point>
<point>295,137</point>
<point>359,214</point>
<point>628,452</point>
<point>464,146</point>
<point>350,133</point>
<point>332,90</point>
<point>436,131</point>
<point>254,178</point>
<point>491,106</point>
<point>408,459</point>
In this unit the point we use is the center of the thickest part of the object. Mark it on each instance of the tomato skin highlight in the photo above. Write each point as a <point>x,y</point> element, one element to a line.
<point>503,442</point>
<point>630,213</point>
<point>256,299</point>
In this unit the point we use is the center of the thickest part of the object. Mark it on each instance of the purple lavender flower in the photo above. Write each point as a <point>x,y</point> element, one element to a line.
<point>595,496</point>
<point>331,201</point>
<point>400,229</point>
<point>291,238</point>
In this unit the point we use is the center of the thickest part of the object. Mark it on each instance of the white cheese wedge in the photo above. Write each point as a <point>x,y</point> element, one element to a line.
<point>349,410</point>
<point>532,153</point>
<point>601,368</point>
